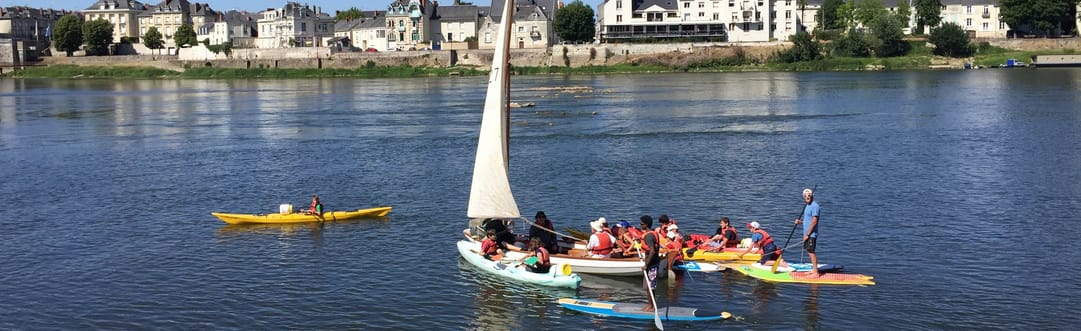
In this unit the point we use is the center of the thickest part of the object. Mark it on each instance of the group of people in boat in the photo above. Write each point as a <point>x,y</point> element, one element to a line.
<point>621,240</point>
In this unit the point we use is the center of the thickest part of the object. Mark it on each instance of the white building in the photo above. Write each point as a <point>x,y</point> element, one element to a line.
<point>293,25</point>
<point>234,27</point>
<point>789,18</point>
<point>979,17</point>
<point>532,24</point>
<point>121,13</point>
<point>371,33</point>
<point>455,23</point>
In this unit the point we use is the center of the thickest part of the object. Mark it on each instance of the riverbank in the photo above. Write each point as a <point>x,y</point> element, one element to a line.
<point>582,60</point>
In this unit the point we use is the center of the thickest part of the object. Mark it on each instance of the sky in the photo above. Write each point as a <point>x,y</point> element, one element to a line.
<point>329,6</point>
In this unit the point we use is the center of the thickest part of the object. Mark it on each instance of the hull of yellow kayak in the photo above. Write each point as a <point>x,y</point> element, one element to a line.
<point>300,217</point>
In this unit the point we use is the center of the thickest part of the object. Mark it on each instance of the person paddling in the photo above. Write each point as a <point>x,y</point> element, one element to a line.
<point>537,250</point>
<point>651,262</point>
<point>316,207</point>
<point>810,228</point>
<point>725,236</point>
<point>763,242</point>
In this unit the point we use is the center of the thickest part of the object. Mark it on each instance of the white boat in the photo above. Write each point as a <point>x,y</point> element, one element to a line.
<point>558,276</point>
<point>490,195</point>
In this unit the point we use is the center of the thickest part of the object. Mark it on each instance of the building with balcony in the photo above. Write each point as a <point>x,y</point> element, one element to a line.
<point>123,14</point>
<point>979,17</point>
<point>408,23</point>
<point>293,25</point>
<point>629,20</point>
<point>169,15</point>
<point>25,33</point>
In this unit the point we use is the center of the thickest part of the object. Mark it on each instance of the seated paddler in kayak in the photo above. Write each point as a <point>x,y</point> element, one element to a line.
<point>316,207</point>
<point>537,260</point>
<point>761,240</point>
<point>626,238</point>
<point>503,235</point>
<point>490,247</point>
<point>725,237</point>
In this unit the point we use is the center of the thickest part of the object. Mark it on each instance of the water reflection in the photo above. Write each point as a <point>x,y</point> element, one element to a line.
<point>764,293</point>
<point>810,309</point>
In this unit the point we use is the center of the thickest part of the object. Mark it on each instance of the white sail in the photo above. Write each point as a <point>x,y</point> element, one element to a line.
<point>490,195</point>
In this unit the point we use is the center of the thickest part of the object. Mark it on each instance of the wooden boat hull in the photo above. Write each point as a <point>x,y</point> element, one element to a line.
<point>300,217</point>
<point>558,276</point>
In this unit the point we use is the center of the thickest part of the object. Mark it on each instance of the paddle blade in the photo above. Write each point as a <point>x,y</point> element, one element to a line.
<point>775,264</point>
<point>657,320</point>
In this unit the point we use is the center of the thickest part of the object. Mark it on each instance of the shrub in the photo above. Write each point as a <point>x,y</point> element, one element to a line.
<point>803,49</point>
<point>950,40</point>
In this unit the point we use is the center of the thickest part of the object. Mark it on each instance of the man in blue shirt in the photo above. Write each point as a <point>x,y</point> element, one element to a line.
<point>810,228</point>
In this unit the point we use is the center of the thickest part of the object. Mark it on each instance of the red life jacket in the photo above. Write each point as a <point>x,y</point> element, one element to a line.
<point>766,240</point>
<point>489,247</point>
<point>604,244</point>
<point>699,240</point>
<point>635,233</point>
<point>733,242</point>
<point>645,249</point>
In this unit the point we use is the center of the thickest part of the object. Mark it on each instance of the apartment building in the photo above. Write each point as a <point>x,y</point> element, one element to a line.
<point>123,14</point>
<point>293,25</point>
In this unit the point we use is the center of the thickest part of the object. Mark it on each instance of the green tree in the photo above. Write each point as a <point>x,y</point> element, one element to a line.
<point>803,48</point>
<point>574,22</point>
<point>152,39</point>
<point>853,44</point>
<point>888,36</point>
<point>866,11</point>
<point>904,12</point>
<point>185,35</point>
<point>68,35</point>
<point>927,14</point>
<point>802,8</point>
<point>348,15</point>
<point>828,14</point>
<point>98,34</point>
<point>950,40</point>
<point>846,16</point>
<point>1043,16</point>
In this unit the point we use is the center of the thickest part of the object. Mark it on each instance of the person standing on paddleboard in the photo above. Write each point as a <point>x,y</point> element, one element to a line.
<point>810,228</point>
<point>650,247</point>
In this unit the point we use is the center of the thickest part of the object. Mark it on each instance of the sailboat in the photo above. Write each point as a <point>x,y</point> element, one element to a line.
<point>490,195</point>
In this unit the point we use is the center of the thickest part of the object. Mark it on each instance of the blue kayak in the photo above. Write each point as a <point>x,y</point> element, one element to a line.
<point>634,310</point>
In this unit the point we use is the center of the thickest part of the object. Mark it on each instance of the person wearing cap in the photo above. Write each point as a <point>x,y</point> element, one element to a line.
<point>725,236</point>
<point>544,230</point>
<point>810,227</point>
<point>624,240</point>
<point>650,260</point>
<point>674,246</point>
<point>763,242</point>
<point>601,243</point>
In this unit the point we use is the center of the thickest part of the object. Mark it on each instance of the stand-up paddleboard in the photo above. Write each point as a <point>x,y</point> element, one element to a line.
<point>698,266</point>
<point>802,276</point>
<point>789,267</point>
<point>634,310</point>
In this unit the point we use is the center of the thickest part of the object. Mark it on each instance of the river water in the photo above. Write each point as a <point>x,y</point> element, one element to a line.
<point>958,190</point>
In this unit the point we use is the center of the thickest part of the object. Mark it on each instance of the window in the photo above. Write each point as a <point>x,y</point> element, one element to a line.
<point>686,5</point>
<point>521,29</point>
<point>968,22</point>
<point>1002,25</point>
<point>450,36</point>
<point>701,5</point>
<point>968,9</point>
<point>487,37</point>
<point>701,14</point>
<point>787,2</point>
<point>986,26</point>
<point>787,14</point>
<point>619,4</point>
<point>415,36</point>
<point>716,16</point>
<point>304,26</point>
<point>731,3</point>
<point>619,18</point>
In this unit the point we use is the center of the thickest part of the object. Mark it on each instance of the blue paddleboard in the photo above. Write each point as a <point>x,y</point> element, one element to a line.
<point>634,310</point>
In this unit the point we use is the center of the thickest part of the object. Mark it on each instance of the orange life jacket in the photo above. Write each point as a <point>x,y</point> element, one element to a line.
<point>542,257</point>
<point>766,240</point>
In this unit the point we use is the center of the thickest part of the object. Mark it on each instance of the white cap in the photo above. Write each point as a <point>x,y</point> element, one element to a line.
<point>808,191</point>
<point>673,227</point>
<point>754,225</point>
<point>602,220</point>
<point>596,225</point>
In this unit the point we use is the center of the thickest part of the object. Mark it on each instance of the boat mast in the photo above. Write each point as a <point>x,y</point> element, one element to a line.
<point>509,10</point>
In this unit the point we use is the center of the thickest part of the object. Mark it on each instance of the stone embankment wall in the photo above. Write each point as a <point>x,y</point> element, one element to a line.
<point>558,55</point>
<point>1041,44</point>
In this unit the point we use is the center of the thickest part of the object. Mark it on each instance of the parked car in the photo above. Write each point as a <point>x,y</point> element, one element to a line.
<point>371,50</point>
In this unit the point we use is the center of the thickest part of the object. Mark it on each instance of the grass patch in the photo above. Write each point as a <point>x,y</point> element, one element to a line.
<point>70,71</point>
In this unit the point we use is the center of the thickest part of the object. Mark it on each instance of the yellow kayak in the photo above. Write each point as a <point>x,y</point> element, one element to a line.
<point>301,217</point>
<point>728,254</point>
